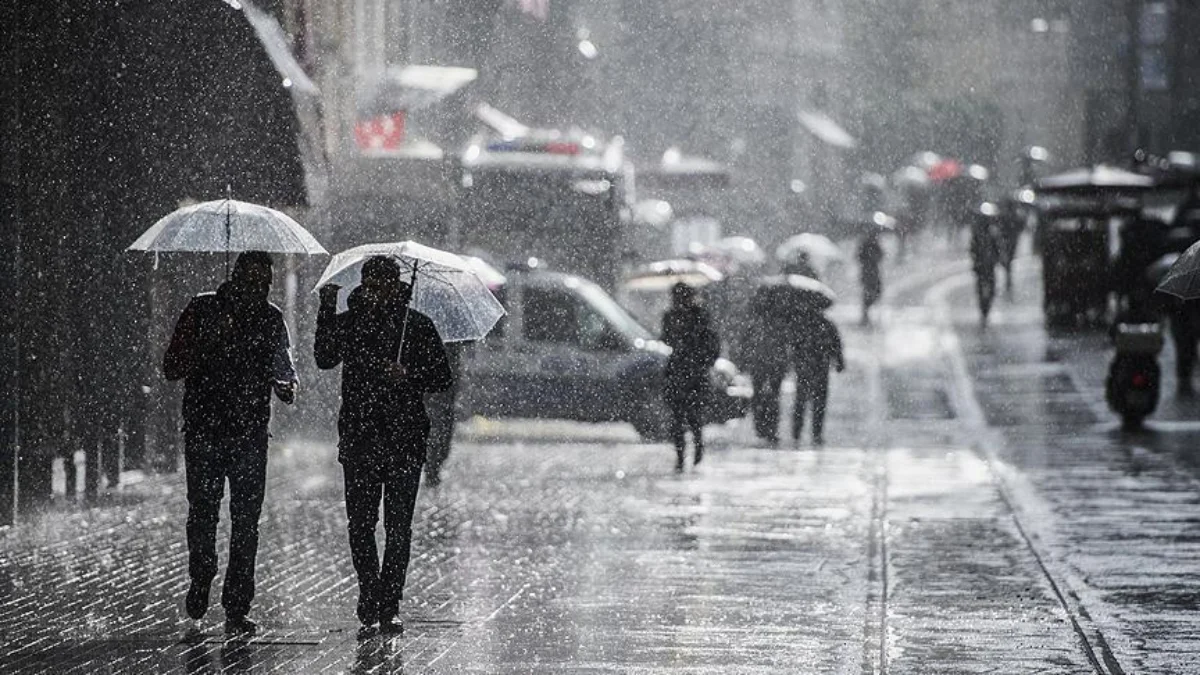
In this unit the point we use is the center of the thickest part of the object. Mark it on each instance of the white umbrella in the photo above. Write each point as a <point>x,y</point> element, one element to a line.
<point>225,226</point>
<point>817,246</point>
<point>445,287</point>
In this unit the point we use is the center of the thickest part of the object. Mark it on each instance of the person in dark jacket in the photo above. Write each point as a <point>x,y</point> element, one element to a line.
<point>391,356</point>
<point>686,328</point>
<point>764,353</point>
<point>816,345</point>
<point>231,349</point>
<point>870,256</point>
<point>985,255</point>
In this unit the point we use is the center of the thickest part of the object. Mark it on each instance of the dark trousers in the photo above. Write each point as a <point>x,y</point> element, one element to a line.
<point>812,387</point>
<point>209,463</point>
<point>686,401</point>
<point>391,471</point>
<point>765,404</point>
<point>1184,336</point>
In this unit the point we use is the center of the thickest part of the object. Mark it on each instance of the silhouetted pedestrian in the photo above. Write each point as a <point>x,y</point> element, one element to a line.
<point>441,407</point>
<point>1184,325</point>
<point>391,356</point>
<point>231,349</point>
<point>870,256</point>
<point>764,355</point>
<point>816,346</point>
<point>985,255</point>
<point>695,346</point>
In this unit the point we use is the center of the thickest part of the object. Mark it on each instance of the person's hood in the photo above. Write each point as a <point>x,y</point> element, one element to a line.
<point>242,294</point>
<point>358,302</point>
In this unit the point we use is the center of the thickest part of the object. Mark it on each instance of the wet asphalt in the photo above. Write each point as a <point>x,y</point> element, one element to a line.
<point>975,509</point>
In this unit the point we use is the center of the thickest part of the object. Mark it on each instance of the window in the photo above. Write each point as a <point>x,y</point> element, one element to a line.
<point>550,316</point>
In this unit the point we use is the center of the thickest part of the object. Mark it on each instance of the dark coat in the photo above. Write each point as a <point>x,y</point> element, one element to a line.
<point>870,255</point>
<point>694,344</point>
<point>816,345</point>
<point>228,348</point>
<point>363,339</point>
<point>985,246</point>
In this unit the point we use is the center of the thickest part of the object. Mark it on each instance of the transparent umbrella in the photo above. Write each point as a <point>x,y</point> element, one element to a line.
<point>445,287</point>
<point>1182,280</point>
<point>227,225</point>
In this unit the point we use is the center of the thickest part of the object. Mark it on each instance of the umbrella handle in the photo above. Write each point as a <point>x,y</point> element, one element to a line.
<point>412,286</point>
<point>228,226</point>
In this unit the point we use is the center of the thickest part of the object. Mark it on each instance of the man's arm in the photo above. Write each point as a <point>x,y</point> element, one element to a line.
<point>179,359</point>
<point>283,369</point>
<point>327,346</point>
<point>835,341</point>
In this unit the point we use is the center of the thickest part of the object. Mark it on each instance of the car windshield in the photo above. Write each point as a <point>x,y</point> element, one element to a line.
<point>614,313</point>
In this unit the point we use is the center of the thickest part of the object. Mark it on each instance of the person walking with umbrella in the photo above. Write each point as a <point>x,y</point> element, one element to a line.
<point>686,328</point>
<point>231,349</point>
<point>391,356</point>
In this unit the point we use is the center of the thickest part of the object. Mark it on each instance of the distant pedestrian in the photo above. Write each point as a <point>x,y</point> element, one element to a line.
<point>391,356</point>
<point>870,257</point>
<point>441,407</point>
<point>1184,326</point>
<point>816,346</point>
<point>231,349</point>
<point>764,355</point>
<point>1011,225</point>
<point>695,346</point>
<point>985,255</point>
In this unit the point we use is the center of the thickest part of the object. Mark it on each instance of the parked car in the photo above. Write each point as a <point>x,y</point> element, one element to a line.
<point>567,350</point>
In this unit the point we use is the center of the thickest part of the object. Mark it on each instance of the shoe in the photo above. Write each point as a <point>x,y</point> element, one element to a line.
<point>367,631</point>
<point>698,456</point>
<point>391,626</point>
<point>197,600</point>
<point>240,625</point>
<point>818,440</point>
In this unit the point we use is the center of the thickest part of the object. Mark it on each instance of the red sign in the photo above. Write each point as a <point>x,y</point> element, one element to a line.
<point>385,132</point>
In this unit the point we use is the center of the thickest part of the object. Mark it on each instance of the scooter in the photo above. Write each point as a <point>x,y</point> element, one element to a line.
<point>1134,376</point>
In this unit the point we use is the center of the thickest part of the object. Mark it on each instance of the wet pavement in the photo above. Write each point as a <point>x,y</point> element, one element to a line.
<point>974,510</point>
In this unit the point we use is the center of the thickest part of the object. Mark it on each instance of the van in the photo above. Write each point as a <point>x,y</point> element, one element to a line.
<point>567,350</point>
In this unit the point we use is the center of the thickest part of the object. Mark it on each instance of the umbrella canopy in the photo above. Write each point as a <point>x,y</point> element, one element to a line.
<point>224,226</point>
<point>817,246</point>
<point>793,291</point>
<point>1183,278</point>
<point>741,250</point>
<point>446,287</point>
<point>1099,180</point>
